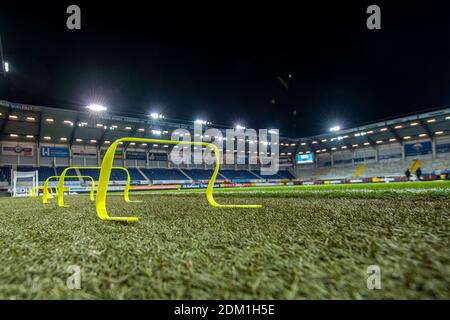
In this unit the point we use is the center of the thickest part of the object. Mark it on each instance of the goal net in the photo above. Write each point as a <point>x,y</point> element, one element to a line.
<point>24,183</point>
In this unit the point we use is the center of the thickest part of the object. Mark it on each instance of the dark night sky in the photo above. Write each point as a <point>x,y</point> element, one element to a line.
<point>220,62</point>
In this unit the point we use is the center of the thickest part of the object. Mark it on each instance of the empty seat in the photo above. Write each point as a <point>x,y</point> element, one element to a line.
<point>164,174</point>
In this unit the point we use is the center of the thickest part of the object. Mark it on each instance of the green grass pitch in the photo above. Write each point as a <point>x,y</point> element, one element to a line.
<point>307,242</point>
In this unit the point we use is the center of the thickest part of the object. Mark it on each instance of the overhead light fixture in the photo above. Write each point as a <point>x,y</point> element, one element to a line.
<point>431,120</point>
<point>204,122</point>
<point>47,138</point>
<point>407,137</point>
<point>96,107</point>
<point>107,142</point>
<point>392,139</point>
<point>398,126</point>
<point>63,139</point>
<point>13,135</point>
<point>141,129</point>
<point>31,118</point>
<point>49,120</point>
<point>366,143</point>
<point>155,115</point>
<point>412,124</point>
<point>99,125</point>
<point>379,141</point>
<point>6,66</point>
<point>78,140</point>
<point>29,136</point>
<point>439,132</point>
<point>383,129</point>
<point>422,135</point>
<point>92,141</point>
<point>127,128</point>
<point>13,117</point>
<point>335,128</point>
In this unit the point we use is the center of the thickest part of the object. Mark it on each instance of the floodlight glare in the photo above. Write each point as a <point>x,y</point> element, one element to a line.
<point>335,128</point>
<point>155,115</point>
<point>199,121</point>
<point>156,132</point>
<point>238,126</point>
<point>6,66</point>
<point>96,107</point>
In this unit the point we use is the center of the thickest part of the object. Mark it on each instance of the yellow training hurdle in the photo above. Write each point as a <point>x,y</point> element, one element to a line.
<point>60,195</point>
<point>47,196</point>
<point>105,173</point>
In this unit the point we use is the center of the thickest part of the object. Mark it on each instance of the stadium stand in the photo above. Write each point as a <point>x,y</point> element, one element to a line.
<point>385,169</point>
<point>239,175</point>
<point>71,172</point>
<point>45,172</point>
<point>5,174</point>
<point>199,174</point>
<point>379,149</point>
<point>94,173</point>
<point>285,174</point>
<point>161,174</point>
<point>136,175</point>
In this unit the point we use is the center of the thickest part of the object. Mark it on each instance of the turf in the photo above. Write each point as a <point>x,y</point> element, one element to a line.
<point>302,246</point>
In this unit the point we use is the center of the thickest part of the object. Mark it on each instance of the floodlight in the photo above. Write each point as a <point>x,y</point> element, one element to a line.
<point>155,115</point>
<point>6,66</point>
<point>204,122</point>
<point>335,128</point>
<point>238,126</point>
<point>96,107</point>
<point>156,132</point>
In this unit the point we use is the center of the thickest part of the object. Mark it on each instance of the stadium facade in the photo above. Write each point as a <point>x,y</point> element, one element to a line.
<point>50,139</point>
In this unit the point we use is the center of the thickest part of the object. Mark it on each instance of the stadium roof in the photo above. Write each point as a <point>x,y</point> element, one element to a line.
<point>418,126</point>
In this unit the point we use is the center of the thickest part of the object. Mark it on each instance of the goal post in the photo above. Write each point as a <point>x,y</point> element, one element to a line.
<point>24,183</point>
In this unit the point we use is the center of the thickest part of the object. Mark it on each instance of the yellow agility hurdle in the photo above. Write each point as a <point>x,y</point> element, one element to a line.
<point>106,168</point>
<point>47,196</point>
<point>60,195</point>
